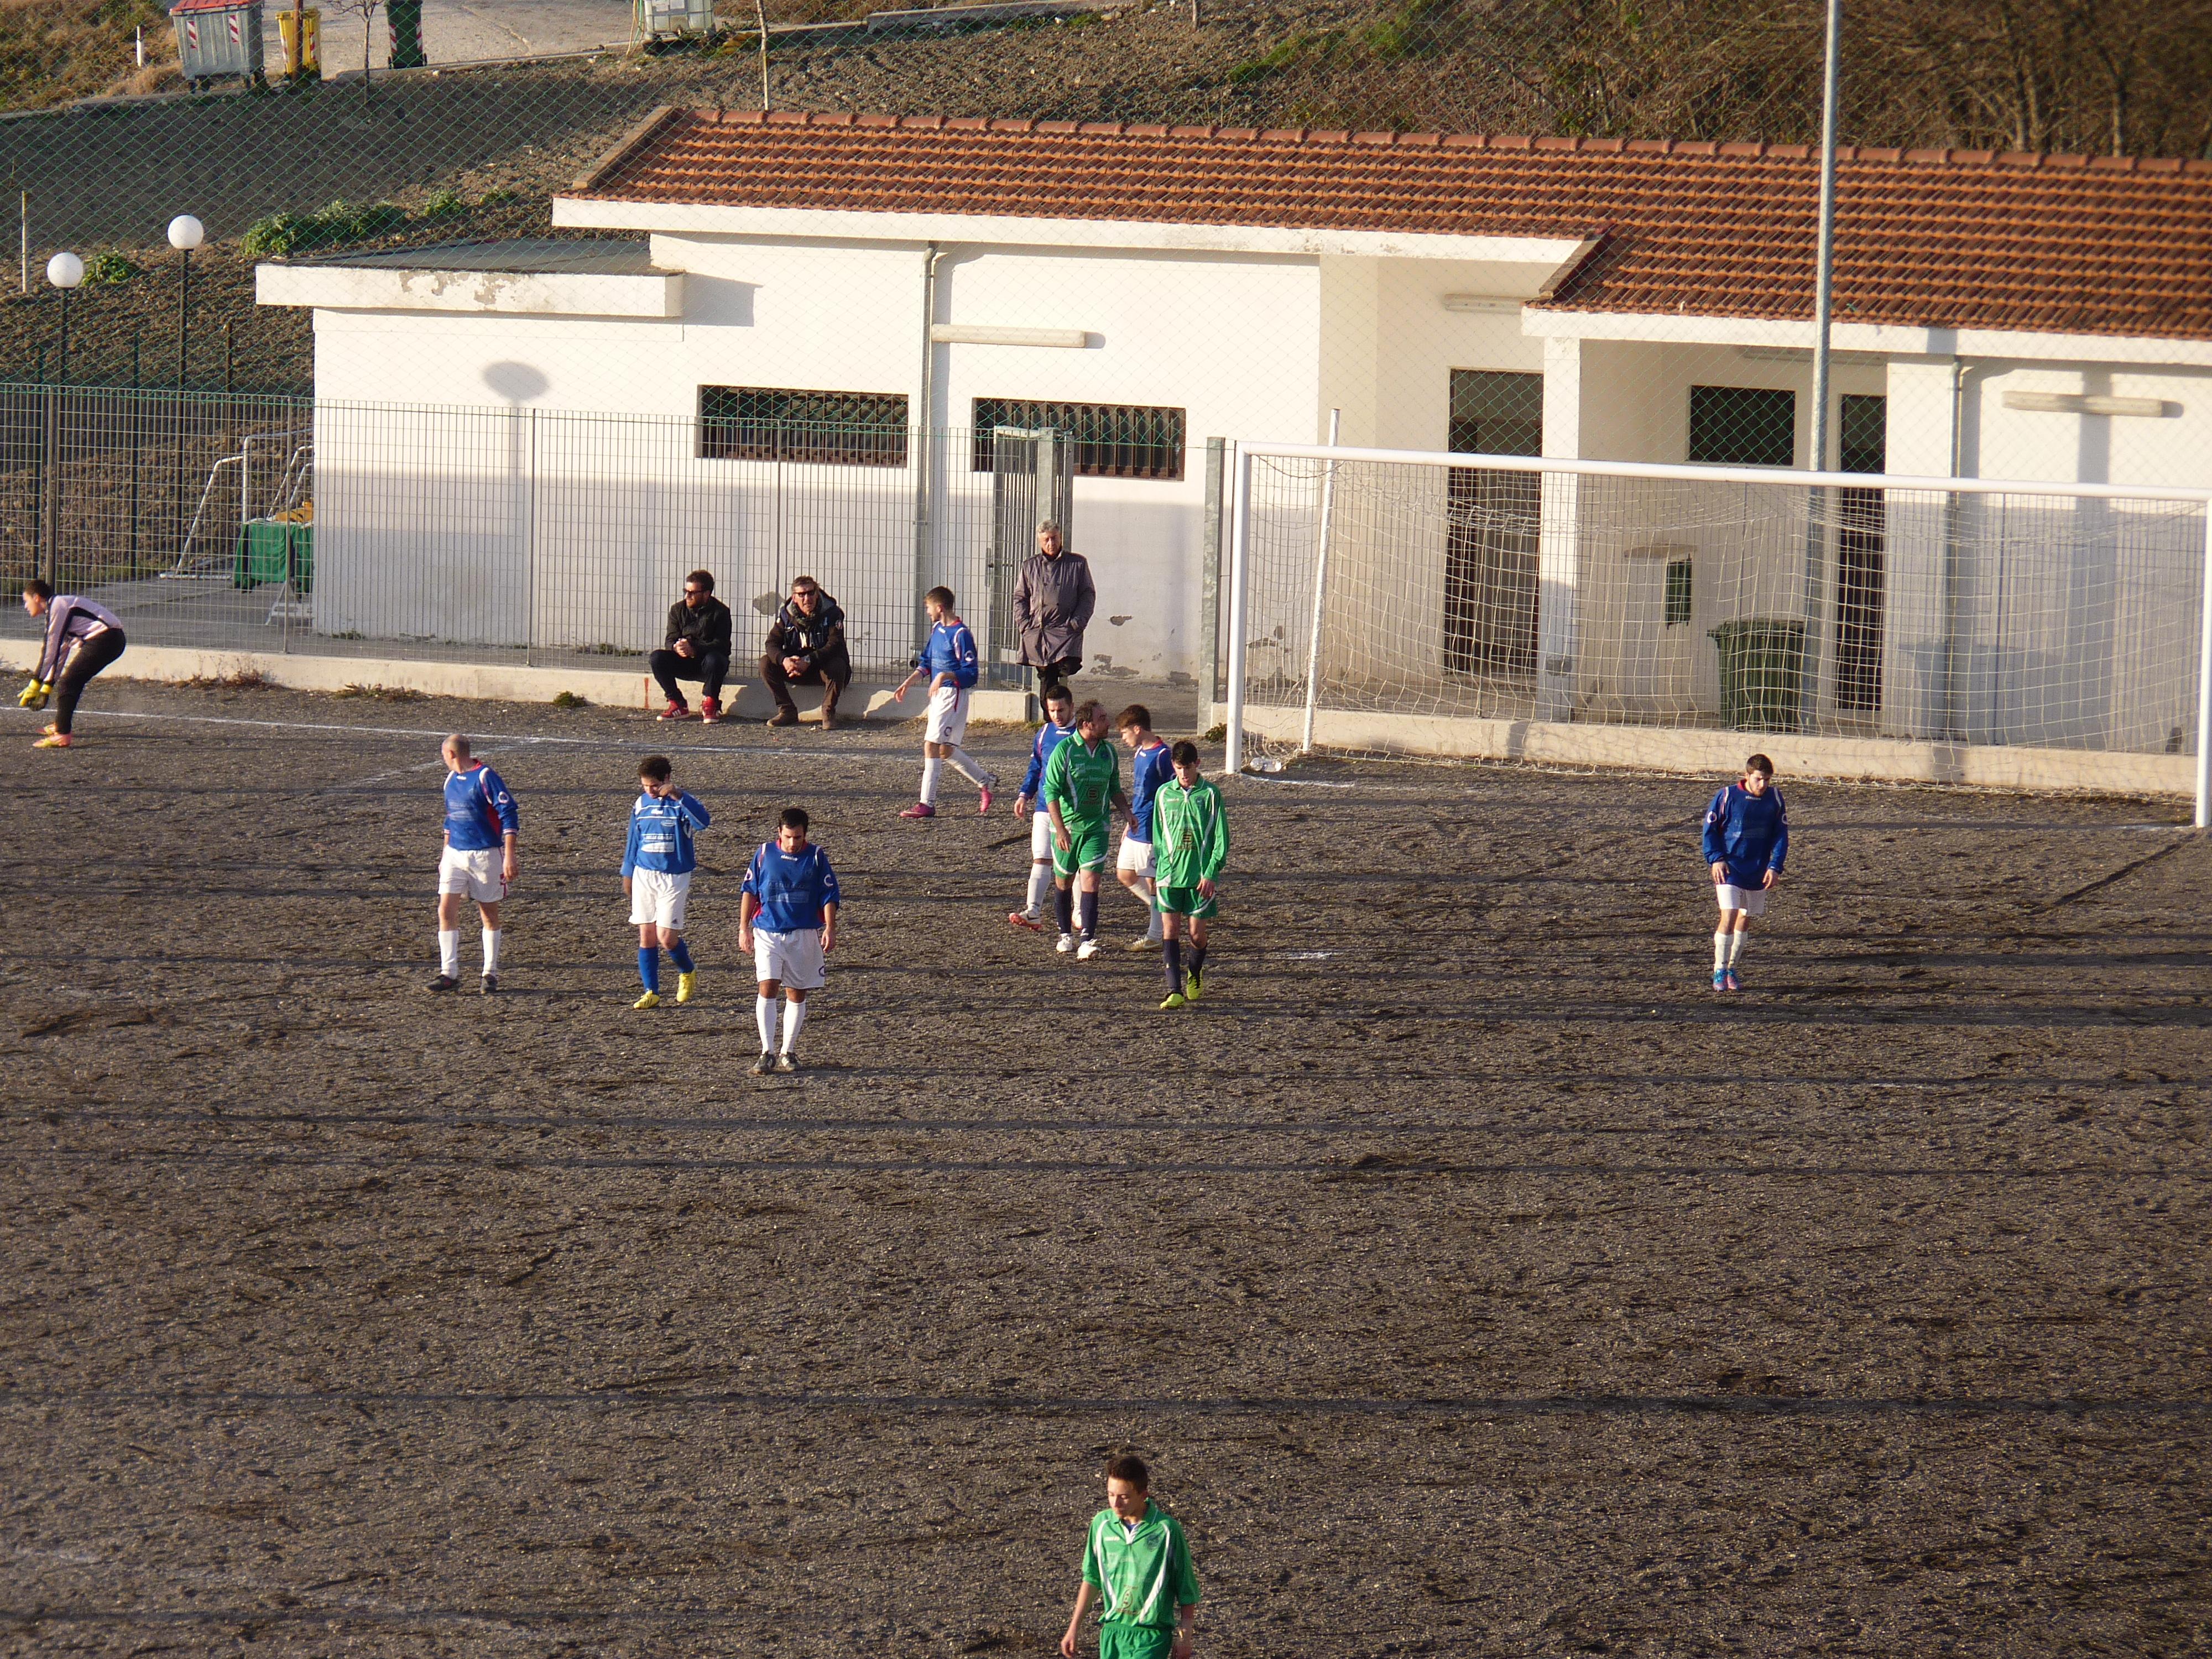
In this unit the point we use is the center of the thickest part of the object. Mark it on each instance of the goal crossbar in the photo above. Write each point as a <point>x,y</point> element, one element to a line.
<point>1241,552</point>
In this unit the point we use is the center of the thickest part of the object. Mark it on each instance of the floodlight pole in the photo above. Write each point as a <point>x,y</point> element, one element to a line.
<point>2204,686</point>
<point>1824,284</point>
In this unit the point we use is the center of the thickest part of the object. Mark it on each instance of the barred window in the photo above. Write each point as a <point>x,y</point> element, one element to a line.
<point>1742,426</point>
<point>838,428</point>
<point>1112,440</point>
<point>1680,593</point>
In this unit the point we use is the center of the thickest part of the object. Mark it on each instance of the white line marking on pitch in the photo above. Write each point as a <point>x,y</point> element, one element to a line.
<point>441,734</point>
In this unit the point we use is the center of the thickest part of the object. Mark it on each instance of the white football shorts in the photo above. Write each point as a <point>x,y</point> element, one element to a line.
<point>1136,855</point>
<point>474,874</point>
<point>1040,835</point>
<point>794,958</point>
<point>659,897</point>
<point>948,715</point>
<point>1752,900</point>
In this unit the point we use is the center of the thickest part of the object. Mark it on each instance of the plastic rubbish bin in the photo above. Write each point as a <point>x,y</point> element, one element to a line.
<point>274,550</point>
<point>1762,673</point>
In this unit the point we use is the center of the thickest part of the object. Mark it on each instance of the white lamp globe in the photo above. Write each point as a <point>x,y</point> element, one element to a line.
<point>65,271</point>
<point>186,232</point>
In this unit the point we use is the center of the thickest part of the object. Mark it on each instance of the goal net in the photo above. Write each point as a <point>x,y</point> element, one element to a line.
<point>1412,602</point>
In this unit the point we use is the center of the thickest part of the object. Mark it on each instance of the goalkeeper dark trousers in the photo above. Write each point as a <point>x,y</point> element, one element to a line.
<point>94,655</point>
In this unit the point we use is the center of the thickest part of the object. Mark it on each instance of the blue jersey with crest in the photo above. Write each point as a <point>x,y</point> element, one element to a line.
<point>660,832</point>
<point>792,887</point>
<point>479,810</point>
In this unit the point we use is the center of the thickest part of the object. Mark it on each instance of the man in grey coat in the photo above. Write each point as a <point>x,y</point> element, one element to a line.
<point>1053,601</point>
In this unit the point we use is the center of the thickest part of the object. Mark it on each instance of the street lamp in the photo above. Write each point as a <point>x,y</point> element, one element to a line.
<point>64,271</point>
<point>186,234</point>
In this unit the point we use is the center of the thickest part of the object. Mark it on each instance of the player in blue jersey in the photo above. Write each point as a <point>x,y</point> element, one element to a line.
<point>789,922</point>
<point>1747,839</point>
<point>479,860</point>
<point>656,872</point>
<point>1150,765</point>
<point>949,663</point>
<point>1059,725</point>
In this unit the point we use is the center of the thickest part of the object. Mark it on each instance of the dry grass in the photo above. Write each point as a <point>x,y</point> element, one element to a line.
<point>52,50</point>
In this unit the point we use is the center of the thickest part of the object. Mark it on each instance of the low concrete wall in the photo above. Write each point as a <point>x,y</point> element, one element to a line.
<point>494,682</point>
<point>1718,753</point>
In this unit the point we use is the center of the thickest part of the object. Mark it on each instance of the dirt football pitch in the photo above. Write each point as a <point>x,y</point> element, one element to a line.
<point>1475,1280</point>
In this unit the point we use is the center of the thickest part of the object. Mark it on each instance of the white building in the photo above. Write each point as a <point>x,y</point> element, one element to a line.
<point>1148,288</point>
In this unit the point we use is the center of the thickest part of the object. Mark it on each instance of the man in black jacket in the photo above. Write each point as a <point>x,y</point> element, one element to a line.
<point>697,649</point>
<point>806,646</point>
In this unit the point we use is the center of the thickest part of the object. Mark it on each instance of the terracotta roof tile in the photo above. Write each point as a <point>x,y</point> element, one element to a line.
<point>1924,238</point>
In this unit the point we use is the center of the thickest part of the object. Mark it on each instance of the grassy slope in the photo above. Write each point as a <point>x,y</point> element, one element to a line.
<point>51,51</point>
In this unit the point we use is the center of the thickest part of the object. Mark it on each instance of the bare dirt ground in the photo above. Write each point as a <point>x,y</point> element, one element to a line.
<point>1477,1282</point>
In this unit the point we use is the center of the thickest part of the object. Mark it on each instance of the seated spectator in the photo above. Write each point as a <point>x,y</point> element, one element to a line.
<point>697,649</point>
<point>806,646</point>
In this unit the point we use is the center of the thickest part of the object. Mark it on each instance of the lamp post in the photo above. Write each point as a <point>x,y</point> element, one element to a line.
<point>64,271</point>
<point>186,234</point>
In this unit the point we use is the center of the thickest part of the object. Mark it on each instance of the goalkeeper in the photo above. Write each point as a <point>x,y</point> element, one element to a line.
<point>81,639</point>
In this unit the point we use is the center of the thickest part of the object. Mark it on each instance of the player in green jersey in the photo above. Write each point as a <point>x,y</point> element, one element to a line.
<point>1190,843</point>
<point>1082,788</point>
<point>1136,1564</point>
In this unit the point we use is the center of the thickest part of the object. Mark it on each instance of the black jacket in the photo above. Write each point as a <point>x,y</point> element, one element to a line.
<point>707,627</point>
<point>819,640</point>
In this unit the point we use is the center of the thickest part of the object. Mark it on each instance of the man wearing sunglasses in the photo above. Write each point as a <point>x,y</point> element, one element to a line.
<point>806,646</point>
<point>697,649</point>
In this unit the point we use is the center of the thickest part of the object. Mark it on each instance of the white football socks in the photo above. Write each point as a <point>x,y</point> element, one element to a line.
<point>794,1022</point>
<point>1736,942</point>
<point>1721,951</point>
<point>449,953</point>
<point>1151,913</point>
<point>764,1017</point>
<point>491,949</point>
<point>930,771</point>
<point>964,763</point>
<point>1040,886</point>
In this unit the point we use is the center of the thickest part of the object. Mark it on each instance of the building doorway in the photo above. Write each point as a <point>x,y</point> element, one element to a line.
<point>1862,549</point>
<point>1492,525</point>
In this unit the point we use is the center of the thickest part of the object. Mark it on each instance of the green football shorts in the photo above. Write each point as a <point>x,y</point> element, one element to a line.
<point>1086,848</point>
<point>1119,1639</point>
<point>1188,902</point>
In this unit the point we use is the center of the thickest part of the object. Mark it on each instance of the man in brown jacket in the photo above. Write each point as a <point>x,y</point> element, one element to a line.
<point>1053,599</point>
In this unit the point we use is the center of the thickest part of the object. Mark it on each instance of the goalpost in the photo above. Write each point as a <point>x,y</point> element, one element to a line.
<point>1410,602</point>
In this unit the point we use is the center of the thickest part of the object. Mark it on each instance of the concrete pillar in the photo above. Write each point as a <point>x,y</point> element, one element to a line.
<point>1559,561</point>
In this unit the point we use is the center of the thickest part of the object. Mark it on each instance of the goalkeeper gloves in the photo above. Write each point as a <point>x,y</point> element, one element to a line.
<point>34,695</point>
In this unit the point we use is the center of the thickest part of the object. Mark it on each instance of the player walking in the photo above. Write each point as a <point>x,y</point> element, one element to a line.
<point>1747,839</point>
<point>479,860</point>
<point>81,639</point>
<point>1136,1565</point>
<point>1059,724</point>
<point>789,922</point>
<point>1082,787</point>
<point>656,872</point>
<point>1190,838</point>
<point>948,661</point>
<point>1149,767</point>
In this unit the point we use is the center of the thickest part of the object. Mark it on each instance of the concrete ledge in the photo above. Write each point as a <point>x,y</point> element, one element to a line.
<point>1657,749</point>
<point>498,683</point>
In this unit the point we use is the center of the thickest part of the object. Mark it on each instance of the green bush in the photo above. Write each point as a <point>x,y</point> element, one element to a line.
<point>110,267</point>
<point>281,233</point>
<point>445,203</point>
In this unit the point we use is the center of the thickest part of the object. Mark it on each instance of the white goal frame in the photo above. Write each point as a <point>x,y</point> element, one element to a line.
<point>1241,550</point>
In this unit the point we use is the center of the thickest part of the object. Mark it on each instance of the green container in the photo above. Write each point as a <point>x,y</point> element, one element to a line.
<point>1762,673</point>
<point>271,552</point>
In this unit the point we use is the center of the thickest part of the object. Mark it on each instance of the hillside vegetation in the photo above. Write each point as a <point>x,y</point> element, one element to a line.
<point>52,50</point>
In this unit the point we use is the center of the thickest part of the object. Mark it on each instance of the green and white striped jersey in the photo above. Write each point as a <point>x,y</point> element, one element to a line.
<point>1083,779</point>
<point>1141,1579</point>
<point>1190,834</point>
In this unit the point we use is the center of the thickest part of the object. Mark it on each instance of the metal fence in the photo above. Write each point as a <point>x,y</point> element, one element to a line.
<point>254,524</point>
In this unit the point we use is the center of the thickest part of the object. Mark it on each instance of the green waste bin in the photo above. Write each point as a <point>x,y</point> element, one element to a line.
<point>269,550</point>
<point>1762,673</point>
